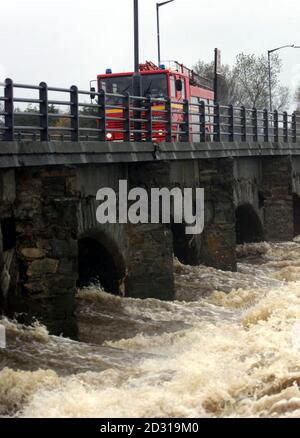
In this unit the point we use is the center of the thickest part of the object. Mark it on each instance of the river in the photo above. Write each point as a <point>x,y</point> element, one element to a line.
<point>229,346</point>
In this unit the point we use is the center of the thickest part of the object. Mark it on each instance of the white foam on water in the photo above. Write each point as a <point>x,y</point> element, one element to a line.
<point>235,353</point>
<point>2,336</point>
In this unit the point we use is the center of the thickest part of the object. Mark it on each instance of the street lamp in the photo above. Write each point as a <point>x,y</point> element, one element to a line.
<point>158,5</point>
<point>136,77</point>
<point>270,73</point>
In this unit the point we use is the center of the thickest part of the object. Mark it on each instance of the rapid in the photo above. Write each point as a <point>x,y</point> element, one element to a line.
<point>229,346</point>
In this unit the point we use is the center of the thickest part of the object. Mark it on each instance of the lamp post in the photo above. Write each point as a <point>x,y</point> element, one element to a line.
<point>159,5</point>
<point>136,76</point>
<point>270,72</point>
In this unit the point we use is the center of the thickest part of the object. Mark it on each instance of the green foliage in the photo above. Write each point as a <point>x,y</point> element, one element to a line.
<point>27,116</point>
<point>89,123</point>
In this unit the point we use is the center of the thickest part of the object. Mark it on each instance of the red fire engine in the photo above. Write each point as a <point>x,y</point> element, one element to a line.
<point>176,82</point>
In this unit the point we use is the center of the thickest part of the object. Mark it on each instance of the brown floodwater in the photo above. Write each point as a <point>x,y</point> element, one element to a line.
<point>229,346</point>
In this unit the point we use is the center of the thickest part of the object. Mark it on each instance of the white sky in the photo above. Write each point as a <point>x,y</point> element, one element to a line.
<point>65,42</point>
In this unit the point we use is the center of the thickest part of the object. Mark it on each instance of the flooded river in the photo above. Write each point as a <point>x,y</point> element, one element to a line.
<point>229,346</point>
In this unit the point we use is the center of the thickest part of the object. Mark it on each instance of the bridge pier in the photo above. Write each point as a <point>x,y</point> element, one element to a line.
<point>216,245</point>
<point>150,251</point>
<point>296,194</point>
<point>46,248</point>
<point>218,240</point>
<point>277,192</point>
<point>8,267</point>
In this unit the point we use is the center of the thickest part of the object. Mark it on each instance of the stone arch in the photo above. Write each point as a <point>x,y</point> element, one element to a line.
<point>8,237</point>
<point>249,228</point>
<point>100,260</point>
<point>185,247</point>
<point>296,208</point>
<point>8,231</point>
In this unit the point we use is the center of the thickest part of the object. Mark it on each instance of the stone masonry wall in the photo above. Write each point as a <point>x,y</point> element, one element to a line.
<point>8,267</point>
<point>150,250</point>
<point>46,225</point>
<point>40,225</point>
<point>278,198</point>
<point>218,239</point>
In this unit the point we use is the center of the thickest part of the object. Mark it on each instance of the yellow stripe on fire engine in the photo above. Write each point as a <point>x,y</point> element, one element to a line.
<point>114,111</point>
<point>155,107</point>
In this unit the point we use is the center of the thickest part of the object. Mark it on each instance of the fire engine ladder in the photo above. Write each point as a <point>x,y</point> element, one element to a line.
<point>148,66</point>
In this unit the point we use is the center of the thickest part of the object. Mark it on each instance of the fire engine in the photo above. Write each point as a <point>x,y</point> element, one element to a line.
<point>176,81</point>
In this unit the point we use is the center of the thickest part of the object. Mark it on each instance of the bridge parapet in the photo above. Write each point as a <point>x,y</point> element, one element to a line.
<point>65,114</point>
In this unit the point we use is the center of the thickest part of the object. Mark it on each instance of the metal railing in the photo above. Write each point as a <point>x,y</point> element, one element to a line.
<point>64,114</point>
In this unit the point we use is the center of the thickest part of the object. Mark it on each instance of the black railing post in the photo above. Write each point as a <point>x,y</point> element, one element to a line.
<point>74,114</point>
<point>202,120</point>
<point>102,116</point>
<point>276,126</point>
<point>294,127</point>
<point>217,123</point>
<point>266,126</point>
<point>44,111</point>
<point>9,133</point>
<point>185,126</point>
<point>231,123</point>
<point>168,108</point>
<point>148,113</point>
<point>137,115</point>
<point>244,123</point>
<point>127,117</point>
<point>285,127</point>
<point>255,125</point>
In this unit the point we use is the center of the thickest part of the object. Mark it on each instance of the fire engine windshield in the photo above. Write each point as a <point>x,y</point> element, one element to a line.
<point>116,85</point>
<point>154,85</point>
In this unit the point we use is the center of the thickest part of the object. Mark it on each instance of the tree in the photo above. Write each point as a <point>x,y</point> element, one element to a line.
<point>27,116</point>
<point>86,123</point>
<point>297,98</point>
<point>246,83</point>
<point>251,74</point>
<point>226,83</point>
<point>281,98</point>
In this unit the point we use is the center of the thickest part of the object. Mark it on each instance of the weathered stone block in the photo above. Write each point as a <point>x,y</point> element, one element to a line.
<point>41,267</point>
<point>33,253</point>
<point>7,186</point>
<point>64,248</point>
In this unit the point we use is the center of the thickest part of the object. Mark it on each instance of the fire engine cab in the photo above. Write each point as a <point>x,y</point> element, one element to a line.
<point>175,81</point>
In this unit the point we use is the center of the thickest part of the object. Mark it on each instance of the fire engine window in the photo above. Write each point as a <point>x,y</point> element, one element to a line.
<point>116,85</point>
<point>183,90</point>
<point>155,85</point>
<point>172,85</point>
<point>103,86</point>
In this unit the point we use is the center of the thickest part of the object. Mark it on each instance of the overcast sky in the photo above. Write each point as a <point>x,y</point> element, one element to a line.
<point>66,42</point>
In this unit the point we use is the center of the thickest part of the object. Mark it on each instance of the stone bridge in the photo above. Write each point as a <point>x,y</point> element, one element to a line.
<point>51,243</point>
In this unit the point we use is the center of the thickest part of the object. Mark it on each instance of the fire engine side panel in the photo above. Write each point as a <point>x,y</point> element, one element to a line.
<point>201,93</point>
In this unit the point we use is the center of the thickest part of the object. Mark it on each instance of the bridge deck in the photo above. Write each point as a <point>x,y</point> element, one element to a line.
<point>36,153</point>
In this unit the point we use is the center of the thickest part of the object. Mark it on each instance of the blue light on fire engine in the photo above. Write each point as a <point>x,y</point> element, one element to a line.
<point>108,71</point>
<point>162,67</point>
